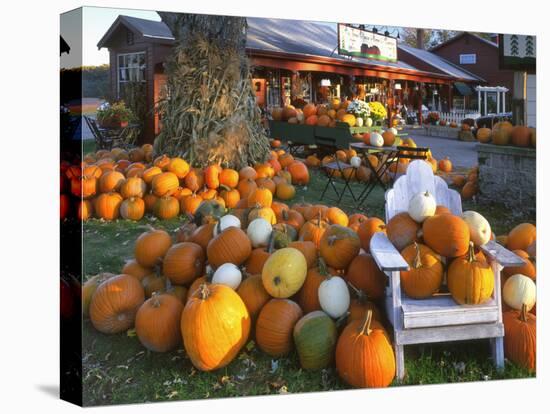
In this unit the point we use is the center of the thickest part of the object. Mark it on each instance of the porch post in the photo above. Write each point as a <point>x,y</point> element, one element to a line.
<point>503,101</point>
<point>479,101</point>
<point>498,102</point>
<point>420,86</point>
<point>485,112</point>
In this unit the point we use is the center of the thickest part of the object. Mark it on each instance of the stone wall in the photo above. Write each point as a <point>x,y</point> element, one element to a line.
<point>442,131</point>
<point>507,176</point>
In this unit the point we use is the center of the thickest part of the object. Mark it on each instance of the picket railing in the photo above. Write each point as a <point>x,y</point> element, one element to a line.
<point>458,115</point>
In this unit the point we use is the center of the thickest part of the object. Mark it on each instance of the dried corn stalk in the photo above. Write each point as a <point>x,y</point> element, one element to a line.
<point>210,112</point>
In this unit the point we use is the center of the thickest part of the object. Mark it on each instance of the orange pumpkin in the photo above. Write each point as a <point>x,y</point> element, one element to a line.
<point>194,180</point>
<point>133,268</point>
<point>402,230</point>
<point>446,234</point>
<point>308,295</point>
<point>150,200</point>
<point>183,263</point>
<point>425,275</point>
<point>260,196</point>
<point>255,262</point>
<point>151,246</point>
<point>521,236</point>
<point>445,165</point>
<point>164,184</point>
<point>230,246</point>
<point>339,245</point>
<point>364,355</point>
<point>285,191</point>
<point>355,220</point>
<point>520,338</point>
<point>264,171</point>
<point>275,325</point>
<point>470,278</point>
<point>158,323</point>
<point>85,210</point>
<point>110,181</point>
<point>292,218</point>
<point>367,229</point>
<point>245,187</point>
<point>115,303</point>
<point>313,231</point>
<point>132,208</point>
<point>299,172</point>
<point>312,161</point>
<point>285,160</point>
<point>308,249</point>
<point>191,203</point>
<point>215,325</point>
<point>107,206</point>
<point>230,198</point>
<point>212,176</point>
<point>278,207</point>
<point>179,167</point>
<point>364,274</point>
<point>247,173</point>
<point>133,187</point>
<point>528,269</point>
<point>267,183</point>
<point>162,162</point>
<point>252,292</point>
<point>520,136</point>
<point>202,235</point>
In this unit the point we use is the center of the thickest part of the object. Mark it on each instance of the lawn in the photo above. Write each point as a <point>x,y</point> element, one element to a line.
<point>117,369</point>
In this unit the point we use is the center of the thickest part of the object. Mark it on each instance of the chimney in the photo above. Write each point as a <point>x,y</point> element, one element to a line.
<point>420,38</point>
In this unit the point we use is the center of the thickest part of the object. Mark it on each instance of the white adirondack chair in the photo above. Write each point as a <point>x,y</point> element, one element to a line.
<point>439,318</point>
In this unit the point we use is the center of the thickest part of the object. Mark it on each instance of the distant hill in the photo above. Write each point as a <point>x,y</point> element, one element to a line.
<point>95,82</point>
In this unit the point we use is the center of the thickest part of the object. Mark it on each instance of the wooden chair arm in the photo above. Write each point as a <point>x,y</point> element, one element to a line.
<point>386,256</point>
<point>501,255</point>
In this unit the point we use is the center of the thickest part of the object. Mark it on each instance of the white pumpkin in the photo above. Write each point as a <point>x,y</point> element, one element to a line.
<point>393,131</point>
<point>225,222</point>
<point>258,232</point>
<point>368,122</point>
<point>228,274</point>
<point>480,229</point>
<point>422,206</point>
<point>355,161</point>
<point>518,290</point>
<point>300,117</point>
<point>376,140</point>
<point>359,122</point>
<point>334,296</point>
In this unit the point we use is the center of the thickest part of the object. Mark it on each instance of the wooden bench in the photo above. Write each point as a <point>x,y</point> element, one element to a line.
<point>439,318</point>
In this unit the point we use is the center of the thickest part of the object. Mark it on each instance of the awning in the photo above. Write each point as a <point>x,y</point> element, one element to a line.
<point>463,88</point>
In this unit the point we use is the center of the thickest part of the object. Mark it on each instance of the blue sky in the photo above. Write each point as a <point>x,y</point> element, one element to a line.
<point>95,22</point>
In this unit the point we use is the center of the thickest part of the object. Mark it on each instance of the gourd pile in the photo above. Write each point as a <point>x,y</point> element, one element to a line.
<point>129,184</point>
<point>359,171</point>
<point>324,115</point>
<point>504,133</point>
<point>299,277</point>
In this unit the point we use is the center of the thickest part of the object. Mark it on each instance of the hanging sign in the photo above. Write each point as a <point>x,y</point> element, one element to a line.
<point>362,43</point>
<point>517,52</point>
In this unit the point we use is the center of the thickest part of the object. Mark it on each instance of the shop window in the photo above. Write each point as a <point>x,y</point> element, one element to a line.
<point>131,68</point>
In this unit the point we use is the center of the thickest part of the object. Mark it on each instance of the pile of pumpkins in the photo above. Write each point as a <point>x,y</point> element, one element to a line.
<point>129,184</point>
<point>325,115</point>
<point>467,183</point>
<point>504,133</point>
<point>305,280</point>
<point>359,170</point>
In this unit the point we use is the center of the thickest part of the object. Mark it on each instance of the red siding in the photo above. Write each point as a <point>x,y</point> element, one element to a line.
<point>486,65</point>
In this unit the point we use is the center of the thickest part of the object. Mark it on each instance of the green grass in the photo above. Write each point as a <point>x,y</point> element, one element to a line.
<point>117,369</point>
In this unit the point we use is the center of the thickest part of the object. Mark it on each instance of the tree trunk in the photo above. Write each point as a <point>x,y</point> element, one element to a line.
<point>210,113</point>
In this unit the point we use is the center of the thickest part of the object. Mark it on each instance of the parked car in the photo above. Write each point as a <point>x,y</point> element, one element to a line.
<point>488,121</point>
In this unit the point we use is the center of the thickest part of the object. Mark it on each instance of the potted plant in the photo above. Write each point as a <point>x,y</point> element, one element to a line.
<point>360,109</point>
<point>433,118</point>
<point>115,115</point>
<point>377,112</point>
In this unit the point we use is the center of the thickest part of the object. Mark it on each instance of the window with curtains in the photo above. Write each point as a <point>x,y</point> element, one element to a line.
<point>130,68</point>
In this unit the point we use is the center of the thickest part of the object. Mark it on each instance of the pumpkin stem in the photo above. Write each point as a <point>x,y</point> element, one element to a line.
<point>323,268</point>
<point>285,215</point>
<point>471,253</point>
<point>204,291</point>
<point>332,239</point>
<point>417,259</point>
<point>276,280</point>
<point>523,313</point>
<point>365,328</point>
<point>155,297</point>
<point>271,242</point>
<point>209,274</point>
